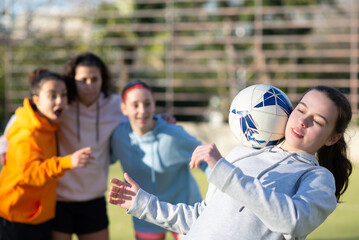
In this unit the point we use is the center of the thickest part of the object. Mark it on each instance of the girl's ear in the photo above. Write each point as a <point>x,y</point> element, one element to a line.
<point>123,108</point>
<point>35,99</point>
<point>333,139</point>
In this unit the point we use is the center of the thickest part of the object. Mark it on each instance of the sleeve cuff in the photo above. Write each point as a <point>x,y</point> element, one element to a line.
<point>66,162</point>
<point>140,203</point>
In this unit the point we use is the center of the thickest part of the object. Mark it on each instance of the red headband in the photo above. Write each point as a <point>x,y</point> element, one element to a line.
<point>140,85</point>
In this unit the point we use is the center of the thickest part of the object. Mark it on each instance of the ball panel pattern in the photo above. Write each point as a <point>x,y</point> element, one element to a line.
<point>258,115</point>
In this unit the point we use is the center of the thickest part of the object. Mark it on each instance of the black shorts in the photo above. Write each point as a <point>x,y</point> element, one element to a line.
<point>19,231</point>
<point>81,217</point>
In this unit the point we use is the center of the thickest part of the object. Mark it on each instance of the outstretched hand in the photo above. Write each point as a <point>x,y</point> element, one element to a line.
<point>208,153</point>
<point>168,118</point>
<point>123,195</point>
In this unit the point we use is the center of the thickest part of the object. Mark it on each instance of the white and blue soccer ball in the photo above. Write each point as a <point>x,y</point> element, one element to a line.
<point>258,115</point>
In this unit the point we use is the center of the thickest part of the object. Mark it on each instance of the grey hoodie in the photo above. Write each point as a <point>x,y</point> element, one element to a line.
<point>253,194</point>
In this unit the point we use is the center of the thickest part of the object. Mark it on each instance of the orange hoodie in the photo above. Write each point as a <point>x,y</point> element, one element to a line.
<point>28,179</point>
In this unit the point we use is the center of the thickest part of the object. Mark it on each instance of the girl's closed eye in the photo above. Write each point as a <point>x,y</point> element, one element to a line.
<point>316,122</point>
<point>319,122</point>
<point>300,109</point>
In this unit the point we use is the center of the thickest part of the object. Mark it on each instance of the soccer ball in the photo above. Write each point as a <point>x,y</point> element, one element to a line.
<point>258,115</point>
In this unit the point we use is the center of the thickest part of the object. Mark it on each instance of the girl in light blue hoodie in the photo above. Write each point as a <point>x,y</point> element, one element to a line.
<point>155,153</point>
<point>280,192</point>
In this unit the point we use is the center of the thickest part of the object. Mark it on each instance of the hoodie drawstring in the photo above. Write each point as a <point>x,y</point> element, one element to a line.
<point>268,168</point>
<point>97,121</point>
<point>78,121</point>
<point>273,166</point>
<point>57,143</point>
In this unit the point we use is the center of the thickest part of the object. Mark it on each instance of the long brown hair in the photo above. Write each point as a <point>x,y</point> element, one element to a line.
<point>334,157</point>
<point>88,59</point>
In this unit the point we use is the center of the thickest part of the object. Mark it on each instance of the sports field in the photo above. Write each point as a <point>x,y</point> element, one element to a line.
<point>341,225</point>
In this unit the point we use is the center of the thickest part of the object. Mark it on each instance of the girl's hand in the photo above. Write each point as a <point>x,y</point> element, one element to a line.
<point>168,118</point>
<point>208,153</point>
<point>81,157</point>
<point>123,195</point>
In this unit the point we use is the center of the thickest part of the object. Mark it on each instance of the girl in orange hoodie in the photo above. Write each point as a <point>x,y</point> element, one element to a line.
<point>28,180</point>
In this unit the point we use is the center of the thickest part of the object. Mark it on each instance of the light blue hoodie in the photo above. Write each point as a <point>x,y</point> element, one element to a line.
<point>158,161</point>
<point>266,194</point>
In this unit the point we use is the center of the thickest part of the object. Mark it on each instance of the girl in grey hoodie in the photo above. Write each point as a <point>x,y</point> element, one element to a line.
<point>280,192</point>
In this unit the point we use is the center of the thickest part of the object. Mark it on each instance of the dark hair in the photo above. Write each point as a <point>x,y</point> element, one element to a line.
<point>132,84</point>
<point>88,59</point>
<point>334,157</point>
<point>39,76</point>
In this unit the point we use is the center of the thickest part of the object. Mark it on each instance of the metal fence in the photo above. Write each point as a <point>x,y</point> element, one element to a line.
<point>197,54</point>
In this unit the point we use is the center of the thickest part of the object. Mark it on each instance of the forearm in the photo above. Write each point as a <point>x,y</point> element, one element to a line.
<point>38,173</point>
<point>34,169</point>
<point>177,218</point>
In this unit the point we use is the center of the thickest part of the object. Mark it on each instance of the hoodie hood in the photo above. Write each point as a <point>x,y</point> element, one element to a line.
<point>150,141</point>
<point>150,136</point>
<point>29,178</point>
<point>303,157</point>
<point>27,118</point>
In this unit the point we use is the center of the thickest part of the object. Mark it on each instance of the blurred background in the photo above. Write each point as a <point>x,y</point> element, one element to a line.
<point>197,54</point>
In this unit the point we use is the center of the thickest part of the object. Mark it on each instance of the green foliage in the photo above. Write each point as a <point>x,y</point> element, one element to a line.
<point>289,2</point>
<point>151,40</point>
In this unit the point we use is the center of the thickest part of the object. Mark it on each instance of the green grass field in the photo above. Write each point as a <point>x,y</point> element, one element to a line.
<point>341,225</point>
